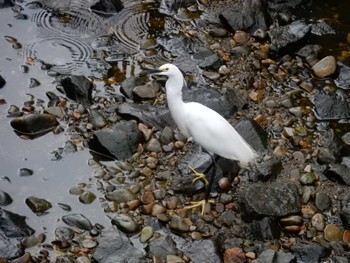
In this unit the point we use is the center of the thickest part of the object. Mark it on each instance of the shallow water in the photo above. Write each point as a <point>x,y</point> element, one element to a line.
<point>63,33</point>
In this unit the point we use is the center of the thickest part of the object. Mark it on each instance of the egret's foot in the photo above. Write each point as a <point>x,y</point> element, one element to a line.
<point>199,176</point>
<point>198,204</point>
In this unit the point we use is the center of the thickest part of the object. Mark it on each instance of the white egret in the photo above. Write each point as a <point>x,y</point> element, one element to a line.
<point>207,127</point>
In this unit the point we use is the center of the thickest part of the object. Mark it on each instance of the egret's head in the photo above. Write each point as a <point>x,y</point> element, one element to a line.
<point>166,70</point>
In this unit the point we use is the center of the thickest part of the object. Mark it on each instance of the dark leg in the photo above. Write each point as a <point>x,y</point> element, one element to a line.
<point>211,178</point>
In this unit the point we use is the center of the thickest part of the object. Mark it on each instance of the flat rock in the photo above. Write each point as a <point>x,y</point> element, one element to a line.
<point>202,251</point>
<point>311,252</point>
<point>9,250</point>
<point>273,256</point>
<point>161,246</point>
<point>14,225</point>
<point>277,199</point>
<point>343,79</point>
<point>331,106</point>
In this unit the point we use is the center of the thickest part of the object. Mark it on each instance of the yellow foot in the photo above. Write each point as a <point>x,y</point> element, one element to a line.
<point>199,176</point>
<point>198,204</point>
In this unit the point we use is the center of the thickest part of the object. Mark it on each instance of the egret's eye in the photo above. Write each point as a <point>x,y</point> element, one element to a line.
<point>166,69</point>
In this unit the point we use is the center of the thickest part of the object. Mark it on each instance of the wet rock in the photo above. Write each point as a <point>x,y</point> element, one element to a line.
<point>78,88</point>
<point>97,119</point>
<point>269,169</point>
<point>325,67</point>
<point>56,111</point>
<point>121,196</point>
<point>233,255</point>
<point>264,229</point>
<point>107,7</point>
<point>118,142</point>
<point>276,199</point>
<point>146,234</point>
<point>14,225</point>
<point>212,62</point>
<point>38,205</point>
<point>273,256</point>
<point>167,135</point>
<point>25,172</point>
<point>330,106</point>
<point>87,197</point>
<point>33,83</point>
<point>2,82</point>
<point>309,50</point>
<point>321,27</point>
<point>308,179</point>
<point>34,125</point>
<point>318,222</point>
<point>322,201</point>
<point>343,79</point>
<point>64,233</point>
<point>125,223</point>
<point>154,146</point>
<point>161,246</point>
<point>114,246</point>
<point>9,250</point>
<point>6,3</point>
<point>202,251</point>
<point>33,240</point>
<point>77,220</point>
<point>339,173</point>
<point>311,252</point>
<point>345,214</point>
<point>178,224</point>
<point>287,38</point>
<point>5,198</point>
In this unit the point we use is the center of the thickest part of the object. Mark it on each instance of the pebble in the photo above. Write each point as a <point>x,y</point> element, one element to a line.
<point>167,135</point>
<point>33,83</point>
<point>87,243</point>
<point>234,255</point>
<point>174,259</point>
<point>318,222</point>
<point>147,197</point>
<point>322,201</point>
<point>195,235</point>
<point>154,146</point>
<point>145,92</point>
<point>333,232</point>
<point>146,234</point>
<point>292,220</point>
<point>224,184</point>
<point>25,172</point>
<point>211,75</point>
<point>158,209</point>
<point>346,237</point>
<point>178,224</point>
<point>308,179</point>
<point>325,67</point>
<point>241,37</point>
<point>125,223</point>
<point>83,259</point>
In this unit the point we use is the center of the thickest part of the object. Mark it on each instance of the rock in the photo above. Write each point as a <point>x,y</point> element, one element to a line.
<point>272,256</point>
<point>269,169</point>
<point>121,196</point>
<point>202,251</point>
<point>14,225</point>
<point>77,220</point>
<point>118,142</point>
<point>322,201</point>
<point>287,38</point>
<point>212,62</point>
<point>146,234</point>
<point>97,119</point>
<point>345,214</point>
<point>318,222</point>
<point>125,223</point>
<point>64,233</point>
<point>2,82</point>
<point>154,146</point>
<point>333,232</point>
<point>330,106</point>
<point>259,200</point>
<point>107,7</point>
<point>161,246</point>
<point>167,135</point>
<point>9,250</point>
<point>178,224</point>
<point>145,92</point>
<point>5,198</point>
<point>343,79</point>
<point>33,83</point>
<point>87,197</point>
<point>339,173</point>
<point>77,88</point>
<point>264,229</point>
<point>114,246</point>
<point>234,255</point>
<point>308,179</point>
<point>37,205</point>
<point>6,3</point>
<point>325,67</point>
<point>311,252</point>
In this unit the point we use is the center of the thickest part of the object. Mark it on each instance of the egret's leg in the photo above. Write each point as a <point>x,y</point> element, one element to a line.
<point>198,176</point>
<point>206,199</point>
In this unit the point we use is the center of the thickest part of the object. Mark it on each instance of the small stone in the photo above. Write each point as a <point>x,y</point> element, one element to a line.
<point>33,83</point>
<point>25,172</point>
<point>333,232</point>
<point>240,37</point>
<point>224,184</point>
<point>233,255</point>
<point>178,224</point>
<point>196,235</point>
<point>346,237</point>
<point>250,255</point>
<point>318,222</point>
<point>179,144</point>
<point>292,220</point>
<point>308,179</point>
<point>211,75</point>
<point>125,223</point>
<point>167,135</point>
<point>158,209</point>
<point>346,138</point>
<point>37,205</point>
<point>145,92</point>
<point>87,197</point>
<point>223,70</point>
<point>325,67</point>
<point>322,201</point>
<point>154,146</point>
<point>147,197</point>
<point>174,259</point>
<point>146,234</point>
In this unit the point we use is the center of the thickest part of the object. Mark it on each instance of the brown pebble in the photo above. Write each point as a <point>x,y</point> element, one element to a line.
<point>234,255</point>
<point>346,237</point>
<point>147,197</point>
<point>224,184</point>
<point>196,235</point>
<point>293,229</point>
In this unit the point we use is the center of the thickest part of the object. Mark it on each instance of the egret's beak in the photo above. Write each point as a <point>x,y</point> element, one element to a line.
<point>154,71</point>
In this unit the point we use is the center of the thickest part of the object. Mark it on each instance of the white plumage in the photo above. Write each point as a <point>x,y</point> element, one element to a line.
<point>208,128</point>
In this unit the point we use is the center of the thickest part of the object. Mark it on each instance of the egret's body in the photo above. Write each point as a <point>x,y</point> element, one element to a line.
<point>207,128</point>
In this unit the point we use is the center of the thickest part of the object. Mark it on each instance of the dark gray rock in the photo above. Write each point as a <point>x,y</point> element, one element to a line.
<point>5,198</point>
<point>37,205</point>
<point>167,135</point>
<point>64,233</point>
<point>311,252</point>
<point>269,169</point>
<point>77,88</point>
<point>237,15</point>
<point>125,223</point>
<point>2,81</point>
<point>331,106</point>
<point>114,246</point>
<point>107,7</point>
<point>171,6</point>
<point>343,79</point>
<point>321,27</point>
<point>339,173</point>
<point>161,246</point>
<point>345,214</point>
<point>273,256</point>
<point>277,199</point>
<point>202,251</point>
<point>77,220</point>
<point>212,62</point>
<point>14,225</point>
<point>264,229</point>
<point>127,86</point>
<point>288,38</point>
<point>6,3</point>
<point>322,201</point>
<point>118,142</point>
<point>9,250</point>
<point>33,83</point>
